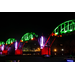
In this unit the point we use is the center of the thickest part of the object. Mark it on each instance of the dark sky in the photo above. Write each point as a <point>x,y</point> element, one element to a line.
<point>16,24</point>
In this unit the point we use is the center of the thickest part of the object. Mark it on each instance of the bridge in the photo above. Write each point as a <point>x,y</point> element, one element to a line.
<point>12,41</point>
<point>63,28</point>
<point>28,36</point>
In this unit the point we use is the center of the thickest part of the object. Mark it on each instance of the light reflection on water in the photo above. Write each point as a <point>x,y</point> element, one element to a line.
<point>12,60</point>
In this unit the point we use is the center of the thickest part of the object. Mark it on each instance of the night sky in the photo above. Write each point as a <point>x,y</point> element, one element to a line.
<point>16,24</point>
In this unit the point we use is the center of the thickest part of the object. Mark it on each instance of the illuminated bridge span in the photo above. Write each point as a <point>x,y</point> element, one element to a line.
<point>65,27</point>
<point>28,36</point>
<point>12,45</point>
<point>25,37</point>
<point>10,41</point>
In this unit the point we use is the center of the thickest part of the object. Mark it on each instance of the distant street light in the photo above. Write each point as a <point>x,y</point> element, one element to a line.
<point>55,50</point>
<point>62,49</point>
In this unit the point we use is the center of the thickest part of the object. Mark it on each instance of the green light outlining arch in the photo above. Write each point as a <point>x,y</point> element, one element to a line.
<point>67,28</point>
<point>28,36</point>
<point>25,37</point>
<point>10,40</point>
<point>1,43</point>
<point>35,34</point>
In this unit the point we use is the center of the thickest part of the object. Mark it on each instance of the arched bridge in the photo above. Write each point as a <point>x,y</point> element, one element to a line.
<point>28,36</point>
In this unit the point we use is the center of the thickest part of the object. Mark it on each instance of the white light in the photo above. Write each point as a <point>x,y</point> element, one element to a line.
<point>41,47</point>
<point>2,47</point>
<point>15,45</point>
<point>62,49</point>
<point>42,41</point>
<point>71,30</point>
<point>56,33</point>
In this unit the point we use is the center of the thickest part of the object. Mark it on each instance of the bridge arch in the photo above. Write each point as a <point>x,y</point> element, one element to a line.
<point>65,27</point>
<point>28,36</point>
<point>10,41</point>
<point>1,43</point>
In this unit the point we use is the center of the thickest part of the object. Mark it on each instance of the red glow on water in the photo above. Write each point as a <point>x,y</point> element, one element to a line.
<point>18,52</point>
<point>46,51</point>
